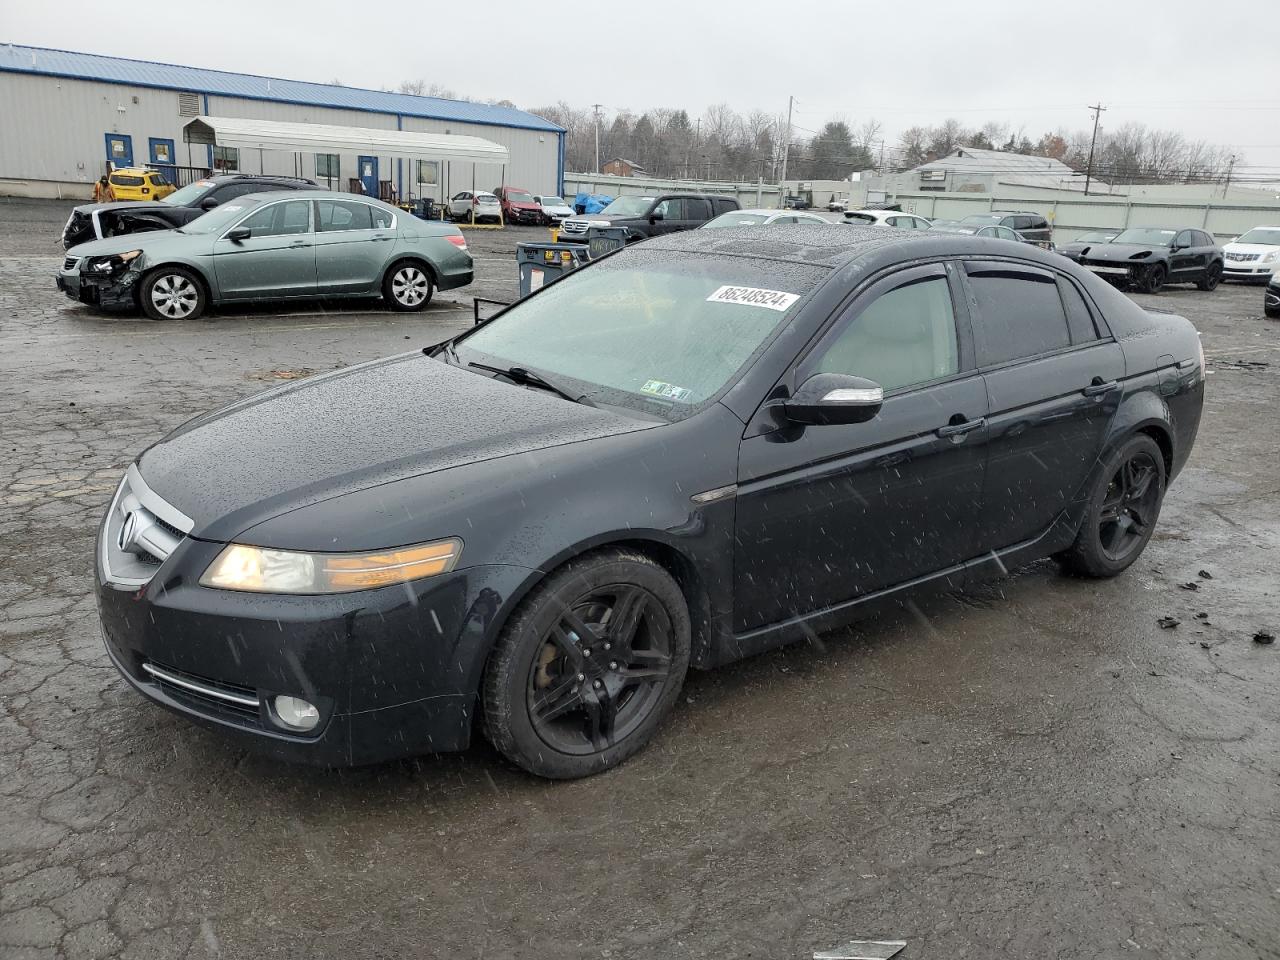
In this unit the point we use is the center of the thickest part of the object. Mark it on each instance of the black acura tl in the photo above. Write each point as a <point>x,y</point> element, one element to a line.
<point>687,452</point>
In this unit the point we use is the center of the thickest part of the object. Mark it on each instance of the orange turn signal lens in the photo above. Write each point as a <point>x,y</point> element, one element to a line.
<point>367,570</point>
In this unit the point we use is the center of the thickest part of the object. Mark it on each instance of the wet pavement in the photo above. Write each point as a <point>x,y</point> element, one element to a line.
<point>1037,769</point>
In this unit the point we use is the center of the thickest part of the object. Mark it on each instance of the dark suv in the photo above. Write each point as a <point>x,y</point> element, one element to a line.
<point>649,216</point>
<point>1031,226</point>
<point>95,221</point>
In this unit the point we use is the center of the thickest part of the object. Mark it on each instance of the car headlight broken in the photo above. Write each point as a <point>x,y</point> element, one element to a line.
<point>263,570</point>
<point>112,263</point>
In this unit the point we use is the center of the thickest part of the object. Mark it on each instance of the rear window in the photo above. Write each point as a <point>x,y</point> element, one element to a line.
<point>863,218</point>
<point>722,205</point>
<point>1020,313</point>
<point>120,180</point>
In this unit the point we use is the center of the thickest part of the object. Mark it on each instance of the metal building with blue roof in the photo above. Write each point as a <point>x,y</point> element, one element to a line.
<point>67,115</point>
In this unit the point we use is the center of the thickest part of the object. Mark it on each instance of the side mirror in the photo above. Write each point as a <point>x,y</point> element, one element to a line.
<point>834,398</point>
<point>239,233</point>
<point>655,217</point>
<point>208,203</point>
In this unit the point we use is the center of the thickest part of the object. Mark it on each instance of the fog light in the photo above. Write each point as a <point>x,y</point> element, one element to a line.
<point>296,714</point>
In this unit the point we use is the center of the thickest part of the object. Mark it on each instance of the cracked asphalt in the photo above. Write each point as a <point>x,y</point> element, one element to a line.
<point>1033,770</point>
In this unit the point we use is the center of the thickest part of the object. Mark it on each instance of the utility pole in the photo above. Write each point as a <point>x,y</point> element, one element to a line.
<point>1231,165</point>
<point>786,148</point>
<point>1098,110</point>
<point>596,107</point>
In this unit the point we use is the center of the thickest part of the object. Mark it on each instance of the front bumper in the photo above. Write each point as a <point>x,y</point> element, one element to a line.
<point>525,216</point>
<point>109,293</point>
<point>394,671</point>
<point>1259,272</point>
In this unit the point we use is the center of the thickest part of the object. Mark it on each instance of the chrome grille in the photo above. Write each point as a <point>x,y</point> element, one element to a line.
<point>139,534</point>
<point>1243,257</point>
<point>574,226</point>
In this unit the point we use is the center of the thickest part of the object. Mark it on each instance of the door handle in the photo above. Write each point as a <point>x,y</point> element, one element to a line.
<point>300,243</point>
<point>379,236</point>
<point>960,429</point>
<point>1099,387</point>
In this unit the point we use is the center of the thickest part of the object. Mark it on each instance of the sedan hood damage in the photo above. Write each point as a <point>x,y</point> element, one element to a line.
<point>351,430</point>
<point>1125,252</point>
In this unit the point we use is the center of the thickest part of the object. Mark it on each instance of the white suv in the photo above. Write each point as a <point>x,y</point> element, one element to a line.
<point>1253,255</point>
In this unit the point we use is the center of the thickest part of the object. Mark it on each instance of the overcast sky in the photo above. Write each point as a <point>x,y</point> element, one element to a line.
<point>1176,64</point>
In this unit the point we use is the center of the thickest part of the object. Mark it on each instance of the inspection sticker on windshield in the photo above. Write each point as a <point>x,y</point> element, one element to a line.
<point>754,297</point>
<point>668,391</point>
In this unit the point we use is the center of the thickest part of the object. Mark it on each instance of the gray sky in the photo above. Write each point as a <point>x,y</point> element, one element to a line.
<point>1175,64</point>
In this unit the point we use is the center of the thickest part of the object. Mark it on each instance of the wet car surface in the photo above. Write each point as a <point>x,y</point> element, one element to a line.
<point>1034,763</point>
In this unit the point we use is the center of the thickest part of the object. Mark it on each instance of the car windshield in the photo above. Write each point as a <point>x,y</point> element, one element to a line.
<point>983,218</point>
<point>1146,235</point>
<point>736,220</point>
<point>486,198</point>
<point>221,217</point>
<point>188,195</point>
<point>628,206</point>
<point>519,196</point>
<point>956,227</point>
<point>640,331</point>
<point>1264,235</point>
<point>553,202</point>
<point>1095,238</point>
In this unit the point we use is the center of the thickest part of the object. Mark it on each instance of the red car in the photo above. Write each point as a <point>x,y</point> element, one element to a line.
<point>518,206</point>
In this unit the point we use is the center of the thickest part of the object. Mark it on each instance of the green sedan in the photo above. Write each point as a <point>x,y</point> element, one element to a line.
<point>272,246</point>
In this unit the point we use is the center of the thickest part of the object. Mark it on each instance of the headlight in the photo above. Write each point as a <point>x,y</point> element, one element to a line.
<point>112,263</point>
<point>262,570</point>
<point>1270,257</point>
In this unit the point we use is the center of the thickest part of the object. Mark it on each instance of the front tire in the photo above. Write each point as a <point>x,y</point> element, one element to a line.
<point>1154,279</point>
<point>407,286</point>
<point>1212,277</point>
<point>1124,505</point>
<point>172,293</point>
<point>588,666</point>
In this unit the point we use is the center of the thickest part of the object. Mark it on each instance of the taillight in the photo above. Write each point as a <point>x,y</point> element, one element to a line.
<point>458,240</point>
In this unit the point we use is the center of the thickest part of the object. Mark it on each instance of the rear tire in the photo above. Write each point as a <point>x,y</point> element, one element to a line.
<point>172,293</point>
<point>1123,508</point>
<point>407,286</point>
<point>1212,277</point>
<point>588,666</point>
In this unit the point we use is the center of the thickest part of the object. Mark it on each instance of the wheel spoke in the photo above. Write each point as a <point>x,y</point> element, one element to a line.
<point>1142,482</point>
<point>624,618</point>
<point>557,701</point>
<point>601,711</point>
<point>570,650</point>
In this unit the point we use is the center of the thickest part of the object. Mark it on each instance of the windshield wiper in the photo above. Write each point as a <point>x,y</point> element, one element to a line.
<point>526,377</point>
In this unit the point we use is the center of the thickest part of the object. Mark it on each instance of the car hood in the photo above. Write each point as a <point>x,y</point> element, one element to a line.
<point>1124,252</point>
<point>116,205</point>
<point>125,243</point>
<point>355,429</point>
<point>1262,249</point>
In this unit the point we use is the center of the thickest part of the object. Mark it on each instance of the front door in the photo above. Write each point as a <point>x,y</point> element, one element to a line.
<point>828,514</point>
<point>1184,262</point>
<point>277,259</point>
<point>353,241</point>
<point>119,150</point>
<point>162,157</point>
<point>369,175</point>
<point>1053,384</point>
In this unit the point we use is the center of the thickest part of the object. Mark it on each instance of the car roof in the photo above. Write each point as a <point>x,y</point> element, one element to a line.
<point>834,245</point>
<point>268,195</point>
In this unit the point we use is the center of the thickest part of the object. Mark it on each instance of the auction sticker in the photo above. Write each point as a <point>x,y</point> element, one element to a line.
<point>668,391</point>
<point>754,297</point>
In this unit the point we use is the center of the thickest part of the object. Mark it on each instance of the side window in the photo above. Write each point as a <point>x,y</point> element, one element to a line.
<point>720,206</point>
<point>280,219</point>
<point>671,209</point>
<point>1039,223</point>
<point>904,336</point>
<point>1018,313</point>
<point>342,215</point>
<point>1021,223</point>
<point>1183,239</point>
<point>233,190</point>
<point>1079,319</point>
<point>695,208</point>
<point>382,219</point>
<point>1204,240</point>
<point>922,224</point>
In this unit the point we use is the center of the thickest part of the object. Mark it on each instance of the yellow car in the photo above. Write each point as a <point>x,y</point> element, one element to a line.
<point>136,183</point>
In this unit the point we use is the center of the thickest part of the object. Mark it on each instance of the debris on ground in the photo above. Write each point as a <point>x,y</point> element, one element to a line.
<point>1264,637</point>
<point>281,374</point>
<point>1202,615</point>
<point>1189,585</point>
<point>1168,623</point>
<point>862,950</point>
<point>1205,575</point>
<point>1242,364</point>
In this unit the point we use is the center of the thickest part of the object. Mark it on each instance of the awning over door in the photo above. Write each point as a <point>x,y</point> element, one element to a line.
<point>326,138</point>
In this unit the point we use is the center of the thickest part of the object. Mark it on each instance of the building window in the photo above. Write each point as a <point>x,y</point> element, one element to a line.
<point>226,158</point>
<point>428,171</point>
<point>327,167</point>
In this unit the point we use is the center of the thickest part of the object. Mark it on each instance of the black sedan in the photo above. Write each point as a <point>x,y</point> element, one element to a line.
<point>1147,258</point>
<point>690,451</point>
<point>1086,241</point>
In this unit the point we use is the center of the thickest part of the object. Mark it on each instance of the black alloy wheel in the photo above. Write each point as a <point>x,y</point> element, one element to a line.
<point>588,666</point>
<point>1154,278</point>
<point>1212,277</point>
<point>1123,508</point>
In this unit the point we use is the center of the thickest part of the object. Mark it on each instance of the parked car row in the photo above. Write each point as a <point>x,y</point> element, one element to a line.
<point>507,204</point>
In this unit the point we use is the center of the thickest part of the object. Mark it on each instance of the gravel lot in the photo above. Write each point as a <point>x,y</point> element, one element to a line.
<point>1033,770</point>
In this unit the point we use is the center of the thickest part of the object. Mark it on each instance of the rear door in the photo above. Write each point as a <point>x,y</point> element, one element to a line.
<point>1053,384</point>
<point>353,241</point>
<point>833,513</point>
<point>278,259</point>
<point>697,211</point>
<point>1185,260</point>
